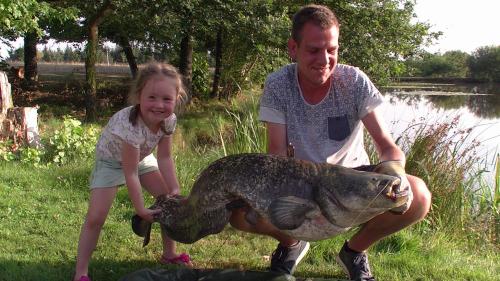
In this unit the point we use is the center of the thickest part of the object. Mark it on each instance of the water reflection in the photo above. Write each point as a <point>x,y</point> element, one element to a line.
<point>480,114</point>
<point>483,106</point>
<point>483,100</point>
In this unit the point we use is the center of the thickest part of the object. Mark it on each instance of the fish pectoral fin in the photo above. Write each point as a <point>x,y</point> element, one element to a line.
<point>290,212</point>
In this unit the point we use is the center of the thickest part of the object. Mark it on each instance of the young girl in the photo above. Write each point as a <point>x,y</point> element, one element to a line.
<point>124,156</point>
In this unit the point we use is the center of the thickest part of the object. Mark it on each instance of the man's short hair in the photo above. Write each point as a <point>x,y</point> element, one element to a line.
<point>319,15</point>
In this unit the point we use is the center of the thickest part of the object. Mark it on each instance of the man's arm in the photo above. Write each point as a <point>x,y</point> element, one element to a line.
<point>276,139</point>
<point>385,145</point>
<point>388,150</point>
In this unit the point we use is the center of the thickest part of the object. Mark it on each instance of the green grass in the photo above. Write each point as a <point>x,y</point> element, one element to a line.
<point>42,209</point>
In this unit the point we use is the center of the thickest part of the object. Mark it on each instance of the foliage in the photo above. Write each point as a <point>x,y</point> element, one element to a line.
<point>6,150</point>
<point>68,143</point>
<point>449,64</point>
<point>201,75</point>
<point>458,62</point>
<point>247,132</point>
<point>16,54</point>
<point>30,155</point>
<point>462,202</point>
<point>254,39</point>
<point>72,141</point>
<point>377,35</point>
<point>20,17</point>
<point>484,63</point>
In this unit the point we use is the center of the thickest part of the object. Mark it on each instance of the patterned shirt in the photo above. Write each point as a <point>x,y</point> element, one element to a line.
<point>331,130</point>
<point>119,130</point>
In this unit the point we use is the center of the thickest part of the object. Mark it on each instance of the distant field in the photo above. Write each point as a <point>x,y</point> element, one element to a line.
<point>77,68</point>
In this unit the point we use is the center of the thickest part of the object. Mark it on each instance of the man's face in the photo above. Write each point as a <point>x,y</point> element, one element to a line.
<point>316,54</point>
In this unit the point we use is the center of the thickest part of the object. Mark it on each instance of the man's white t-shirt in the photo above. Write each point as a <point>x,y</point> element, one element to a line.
<point>330,131</point>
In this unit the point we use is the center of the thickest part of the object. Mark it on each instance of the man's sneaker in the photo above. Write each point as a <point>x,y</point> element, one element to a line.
<point>286,259</point>
<point>355,264</point>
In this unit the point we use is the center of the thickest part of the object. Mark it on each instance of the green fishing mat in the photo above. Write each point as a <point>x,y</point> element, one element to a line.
<point>186,274</point>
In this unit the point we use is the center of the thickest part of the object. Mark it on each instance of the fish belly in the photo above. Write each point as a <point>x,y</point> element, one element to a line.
<point>318,228</point>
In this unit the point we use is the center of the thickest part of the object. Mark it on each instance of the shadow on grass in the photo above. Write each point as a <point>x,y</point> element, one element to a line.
<point>104,270</point>
<point>100,269</point>
<point>212,275</point>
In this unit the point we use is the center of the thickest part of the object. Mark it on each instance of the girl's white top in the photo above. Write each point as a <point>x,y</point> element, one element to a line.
<point>119,129</point>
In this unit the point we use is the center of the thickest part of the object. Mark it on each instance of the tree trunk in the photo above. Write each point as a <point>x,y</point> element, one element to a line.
<point>5,95</point>
<point>20,126</point>
<point>90,75</point>
<point>90,60</point>
<point>30,59</point>
<point>129,54</point>
<point>218,65</point>
<point>186,62</point>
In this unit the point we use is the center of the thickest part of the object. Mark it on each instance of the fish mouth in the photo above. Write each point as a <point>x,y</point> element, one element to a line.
<point>392,190</point>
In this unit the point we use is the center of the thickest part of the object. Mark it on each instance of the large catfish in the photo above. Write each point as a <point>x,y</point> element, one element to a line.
<point>305,200</point>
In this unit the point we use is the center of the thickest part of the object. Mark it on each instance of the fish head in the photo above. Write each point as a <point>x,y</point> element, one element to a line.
<point>348,191</point>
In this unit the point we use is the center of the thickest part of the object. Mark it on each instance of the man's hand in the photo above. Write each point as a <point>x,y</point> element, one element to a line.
<point>395,168</point>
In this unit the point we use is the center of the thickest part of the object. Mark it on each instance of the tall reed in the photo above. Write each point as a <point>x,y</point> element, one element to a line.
<point>247,132</point>
<point>446,158</point>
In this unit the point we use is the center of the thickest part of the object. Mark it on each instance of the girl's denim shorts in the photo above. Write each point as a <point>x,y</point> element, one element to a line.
<point>109,173</point>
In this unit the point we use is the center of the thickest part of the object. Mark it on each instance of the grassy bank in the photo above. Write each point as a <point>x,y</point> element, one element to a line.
<point>43,206</point>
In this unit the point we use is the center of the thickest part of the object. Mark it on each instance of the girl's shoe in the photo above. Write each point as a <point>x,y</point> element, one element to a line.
<point>84,278</point>
<point>182,259</point>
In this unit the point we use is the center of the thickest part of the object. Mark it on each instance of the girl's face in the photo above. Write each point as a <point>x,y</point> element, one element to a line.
<point>157,101</point>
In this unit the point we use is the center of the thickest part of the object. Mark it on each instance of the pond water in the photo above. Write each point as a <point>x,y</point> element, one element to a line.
<point>476,111</point>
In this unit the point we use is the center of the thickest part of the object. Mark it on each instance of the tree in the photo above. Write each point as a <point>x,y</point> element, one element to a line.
<point>30,58</point>
<point>457,60</point>
<point>484,63</point>
<point>218,64</point>
<point>449,64</point>
<point>91,56</point>
<point>249,42</point>
<point>186,53</point>
<point>17,54</point>
<point>22,18</point>
<point>19,17</point>
<point>243,40</point>
<point>377,35</point>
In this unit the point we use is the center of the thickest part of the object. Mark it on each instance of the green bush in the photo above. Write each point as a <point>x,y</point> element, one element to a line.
<point>72,141</point>
<point>30,155</point>
<point>201,74</point>
<point>6,152</point>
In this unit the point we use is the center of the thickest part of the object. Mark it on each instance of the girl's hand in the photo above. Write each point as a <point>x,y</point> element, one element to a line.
<point>148,214</point>
<point>174,192</point>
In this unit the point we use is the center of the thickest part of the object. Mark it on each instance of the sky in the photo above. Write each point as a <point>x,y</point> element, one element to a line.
<point>466,24</point>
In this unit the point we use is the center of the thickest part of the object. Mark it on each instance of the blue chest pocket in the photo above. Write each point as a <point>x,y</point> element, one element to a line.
<point>338,128</point>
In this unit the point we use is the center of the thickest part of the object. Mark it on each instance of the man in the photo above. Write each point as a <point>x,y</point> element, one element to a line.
<point>320,107</point>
